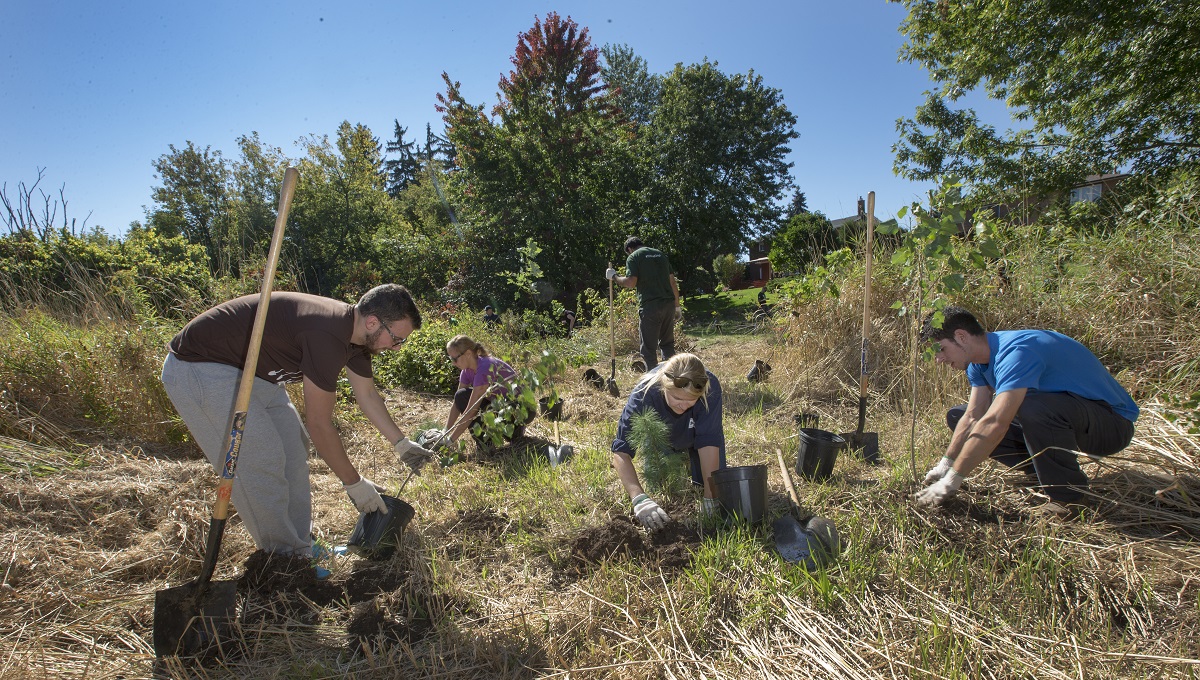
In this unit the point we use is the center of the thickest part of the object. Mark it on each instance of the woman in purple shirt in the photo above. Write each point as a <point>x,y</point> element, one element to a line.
<point>483,378</point>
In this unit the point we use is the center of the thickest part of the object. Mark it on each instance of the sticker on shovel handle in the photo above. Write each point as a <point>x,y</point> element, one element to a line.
<point>235,444</point>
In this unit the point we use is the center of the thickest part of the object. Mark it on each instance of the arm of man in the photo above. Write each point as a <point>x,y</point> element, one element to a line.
<point>977,405</point>
<point>710,458</point>
<point>372,405</point>
<point>318,416</point>
<point>986,433</point>
<point>674,289</point>
<point>626,281</point>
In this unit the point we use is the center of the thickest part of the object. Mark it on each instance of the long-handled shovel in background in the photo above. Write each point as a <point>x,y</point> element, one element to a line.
<point>189,618</point>
<point>866,444</point>
<point>612,342</point>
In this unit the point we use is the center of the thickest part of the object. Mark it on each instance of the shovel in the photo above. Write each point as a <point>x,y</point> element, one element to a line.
<point>191,617</point>
<point>866,444</point>
<point>612,342</point>
<point>559,453</point>
<point>790,538</point>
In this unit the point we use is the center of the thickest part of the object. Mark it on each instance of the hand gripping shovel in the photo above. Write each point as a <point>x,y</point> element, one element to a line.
<point>810,544</point>
<point>190,618</point>
<point>866,444</point>
<point>612,342</point>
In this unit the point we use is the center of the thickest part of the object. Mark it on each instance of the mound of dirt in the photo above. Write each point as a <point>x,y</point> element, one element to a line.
<point>268,574</point>
<point>670,547</point>
<point>376,620</point>
<point>605,542</point>
<point>369,580</point>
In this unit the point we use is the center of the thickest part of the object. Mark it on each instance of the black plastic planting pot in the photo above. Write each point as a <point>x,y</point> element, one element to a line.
<point>742,491</point>
<point>818,452</point>
<point>376,535</point>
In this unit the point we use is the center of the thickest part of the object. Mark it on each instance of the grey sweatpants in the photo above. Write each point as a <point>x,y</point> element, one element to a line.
<point>270,488</point>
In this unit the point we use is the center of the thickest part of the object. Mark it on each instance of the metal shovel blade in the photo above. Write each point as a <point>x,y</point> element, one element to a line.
<point>189,619</point>
<point>865,445</point>
<point>792,541</point>
<point>560,454</point>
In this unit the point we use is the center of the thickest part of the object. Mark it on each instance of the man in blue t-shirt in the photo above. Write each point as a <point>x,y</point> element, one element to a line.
<point>1038,398</point>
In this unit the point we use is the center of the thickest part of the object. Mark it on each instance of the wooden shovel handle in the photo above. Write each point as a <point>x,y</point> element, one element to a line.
<point>233,438</point>
<point>787,478</point>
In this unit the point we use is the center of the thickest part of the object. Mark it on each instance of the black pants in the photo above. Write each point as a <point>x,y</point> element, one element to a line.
<point>1048,432</point>
<point>657,328</point>
<point>462,398</point>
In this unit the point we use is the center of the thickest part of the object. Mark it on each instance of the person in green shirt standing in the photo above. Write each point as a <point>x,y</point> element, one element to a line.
<point>650,272</point>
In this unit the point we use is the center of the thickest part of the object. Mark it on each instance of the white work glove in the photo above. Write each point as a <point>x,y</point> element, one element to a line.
<point>678,313</point>
<point>648,513</point>
<point>939,491</point>
<point>412,454</point>
<point>365,495</point>
<point>710,507</point>
<point>939,470</point>
<point>610,273</point>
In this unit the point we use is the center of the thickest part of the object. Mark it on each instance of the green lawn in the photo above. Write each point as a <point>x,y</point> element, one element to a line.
<point>730,308</point>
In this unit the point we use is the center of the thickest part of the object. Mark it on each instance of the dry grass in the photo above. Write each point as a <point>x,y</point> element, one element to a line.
<point>482,586</point>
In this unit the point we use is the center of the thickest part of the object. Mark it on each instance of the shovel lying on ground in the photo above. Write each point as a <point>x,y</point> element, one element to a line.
<point>866,444</point>
<point>810,542</point>
<point>190,618</point>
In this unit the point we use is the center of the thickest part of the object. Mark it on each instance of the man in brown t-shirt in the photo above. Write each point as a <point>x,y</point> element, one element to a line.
<point>306,339</point>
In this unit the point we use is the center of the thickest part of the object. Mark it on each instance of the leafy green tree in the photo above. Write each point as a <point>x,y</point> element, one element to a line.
<point>550,163</point>
<point>1102,85</point>
<point>728,269</point>
<point>340,205</point>
<point>192,200</point>
<point>801,240</point>
<point>716,149</point>
<point>255,182</point>
<point>634,89</point>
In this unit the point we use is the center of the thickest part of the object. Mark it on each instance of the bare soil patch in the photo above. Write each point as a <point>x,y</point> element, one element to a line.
<point>671,547</point>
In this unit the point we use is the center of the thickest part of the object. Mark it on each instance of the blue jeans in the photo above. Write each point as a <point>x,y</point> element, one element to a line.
<point>1048,432</point>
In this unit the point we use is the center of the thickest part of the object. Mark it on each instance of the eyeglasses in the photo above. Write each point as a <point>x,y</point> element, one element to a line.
<point>681,382</point>
<point>396,342</point>
<point>454,359</point>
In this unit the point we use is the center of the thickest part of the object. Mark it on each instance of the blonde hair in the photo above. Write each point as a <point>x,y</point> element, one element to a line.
<point>463,343</point>
<point>686,368</point>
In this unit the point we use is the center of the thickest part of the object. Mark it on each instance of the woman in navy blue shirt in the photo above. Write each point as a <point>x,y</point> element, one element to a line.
<point>688,399</point>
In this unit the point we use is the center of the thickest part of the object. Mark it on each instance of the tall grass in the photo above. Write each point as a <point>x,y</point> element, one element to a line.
<point>984,587</point>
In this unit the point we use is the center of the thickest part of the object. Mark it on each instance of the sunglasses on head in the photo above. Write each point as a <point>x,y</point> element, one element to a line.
<point>682,382</point>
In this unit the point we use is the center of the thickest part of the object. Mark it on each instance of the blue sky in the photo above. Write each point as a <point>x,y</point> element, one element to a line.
<point>95,92</point>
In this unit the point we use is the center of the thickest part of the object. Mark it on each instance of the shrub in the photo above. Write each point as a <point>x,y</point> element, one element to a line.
<point>421,364</point>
